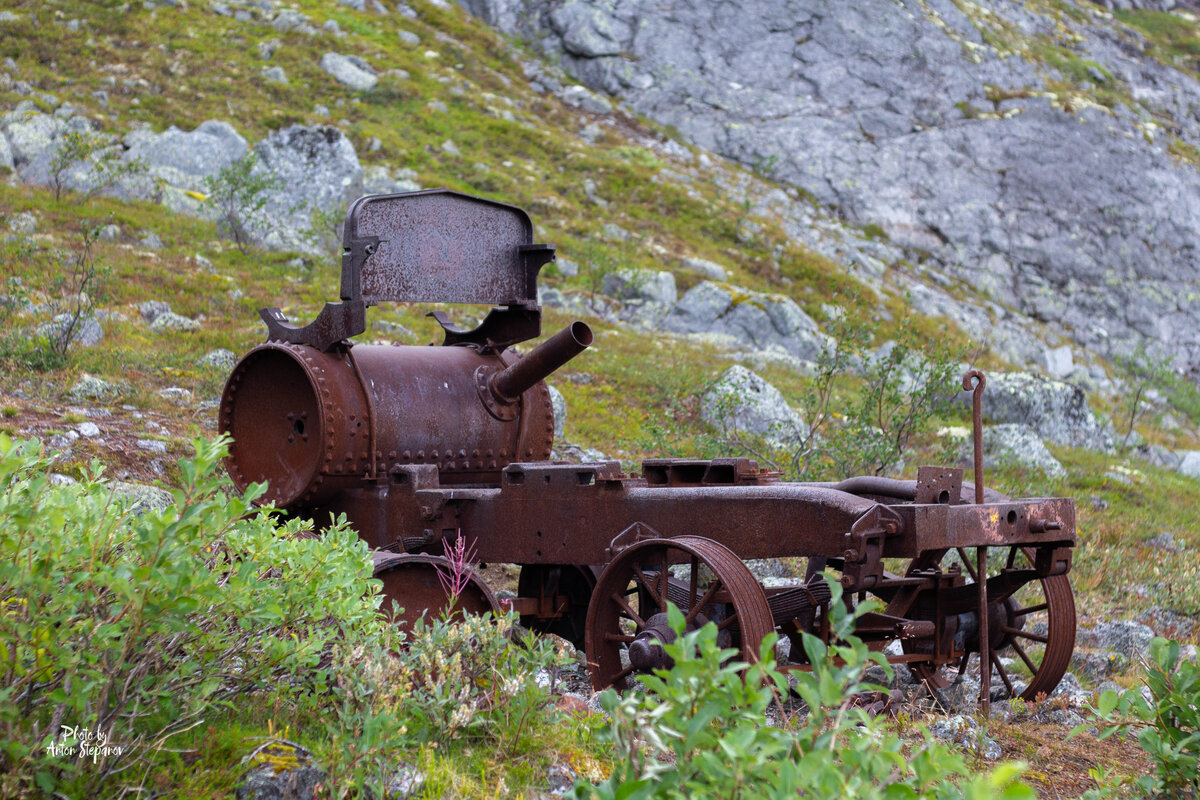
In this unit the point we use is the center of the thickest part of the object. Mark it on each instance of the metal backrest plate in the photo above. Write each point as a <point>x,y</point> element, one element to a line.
<point>436,246</point>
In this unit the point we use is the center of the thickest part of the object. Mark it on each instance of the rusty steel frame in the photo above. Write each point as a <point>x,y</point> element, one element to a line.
<point>419,445</point>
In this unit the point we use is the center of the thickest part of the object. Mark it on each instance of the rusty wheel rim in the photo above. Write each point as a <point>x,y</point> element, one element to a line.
<point>632,588</point>
<point>1032,627</point>
<point>412,589</point>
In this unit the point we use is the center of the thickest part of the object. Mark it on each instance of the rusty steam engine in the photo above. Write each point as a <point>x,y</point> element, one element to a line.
<point>421,445</point>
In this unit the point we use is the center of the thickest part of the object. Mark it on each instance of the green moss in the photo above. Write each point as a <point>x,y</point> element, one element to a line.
<point>1171,36</point>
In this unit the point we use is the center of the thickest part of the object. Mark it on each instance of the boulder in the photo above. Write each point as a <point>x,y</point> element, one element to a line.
<point>744,402</point>
<point>84,331</point>
<point>559,404</point>
<point>641,285</point>
<point>177,162</point>
<point>1189,463</point>
<point>221,359</point>
<point>352,71</point>
<point>584,98</point>
<point>1058,361</point>
<point>1126,637</point>
<point>89,387</point>
<point>280,770</point>
<point>1057,411</point>
<point>709,269</point>
<point>759,321</point>
<point>153,309</point>
<point>1013,444</point>
<point>169,321</point>
<point>314,168</point>
<point>142,497</point>
<point>6,155</point>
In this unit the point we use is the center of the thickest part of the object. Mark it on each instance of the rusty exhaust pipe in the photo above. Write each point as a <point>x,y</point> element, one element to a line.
<point>511,382</point>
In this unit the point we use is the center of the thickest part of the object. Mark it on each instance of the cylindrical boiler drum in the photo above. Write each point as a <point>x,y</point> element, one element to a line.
<point>313,423</point>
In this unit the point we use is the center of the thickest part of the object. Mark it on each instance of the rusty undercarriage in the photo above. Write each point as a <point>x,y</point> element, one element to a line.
<point>419,446</point>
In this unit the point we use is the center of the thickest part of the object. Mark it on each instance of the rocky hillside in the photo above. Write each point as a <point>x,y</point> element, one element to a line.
<point>1042,156</point>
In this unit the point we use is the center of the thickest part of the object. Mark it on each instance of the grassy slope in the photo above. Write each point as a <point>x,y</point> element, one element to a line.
<point>182,67</point>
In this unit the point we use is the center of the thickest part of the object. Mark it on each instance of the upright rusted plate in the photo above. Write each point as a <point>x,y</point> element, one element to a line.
<point>436,246</point>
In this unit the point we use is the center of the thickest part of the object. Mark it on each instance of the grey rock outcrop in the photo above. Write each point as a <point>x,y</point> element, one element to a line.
<point>315,168</point>
<point>1014,444</point>
<point>1057,411</point>
<point>177,162</point>
<point>84,331</point>
<point>742,401</point>
<point>559,404</point>
<point>1126,637</point>
<point>752,319</point>
<point>908,117</point>
<point>640,285</point>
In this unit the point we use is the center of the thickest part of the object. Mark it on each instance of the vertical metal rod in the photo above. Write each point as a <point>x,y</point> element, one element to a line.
<point>975,380</point>
<point>985,645</point>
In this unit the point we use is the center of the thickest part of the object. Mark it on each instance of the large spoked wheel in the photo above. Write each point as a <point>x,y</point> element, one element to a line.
<point>414,585</point>
<point>1031,621</point>
<point>626,621</point>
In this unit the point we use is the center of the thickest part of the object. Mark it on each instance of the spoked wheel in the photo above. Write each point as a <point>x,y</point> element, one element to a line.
<point>413,586</point>
<point>627,621</point>
<point>563,591</point>
<point>1031,622</point>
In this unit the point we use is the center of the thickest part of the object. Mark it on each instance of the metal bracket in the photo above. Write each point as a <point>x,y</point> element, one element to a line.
<point>635,533</point>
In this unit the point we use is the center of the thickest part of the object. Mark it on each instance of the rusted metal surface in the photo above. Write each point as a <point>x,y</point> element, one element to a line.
<point>419,445</point>
<point>436,247</point>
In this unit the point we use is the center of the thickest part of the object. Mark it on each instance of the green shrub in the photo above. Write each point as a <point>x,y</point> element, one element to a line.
<point>698,731</point>
<point>475,683</point>
<point>1168,724</point>
<point>125,628</point>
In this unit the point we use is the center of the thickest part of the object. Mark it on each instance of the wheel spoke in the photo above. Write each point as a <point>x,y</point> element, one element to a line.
<point>693,583</point>
<point>1024,656</point>
<point>1020,612</point>
<point>1037,637</point>
<point>962,554</point>
<point>995,659</point>
<point>712,589</point>
<point>637,568</point>
<point>622,675</point>
<point>725,623</point>
<point>629,612</point>
<point>664,576</point>
<point>618,637</point>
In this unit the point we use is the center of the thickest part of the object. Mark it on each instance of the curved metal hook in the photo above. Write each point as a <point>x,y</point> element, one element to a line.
<point>975,381</point>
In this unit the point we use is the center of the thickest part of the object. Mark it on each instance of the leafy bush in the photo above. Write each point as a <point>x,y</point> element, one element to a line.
<point>100,158</point>
<point>77,282</point>
<point>699,730</point>
<point>238,194</point>
<point>474,682</point>
<point>1168,724</point>
<point>124,628</point>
